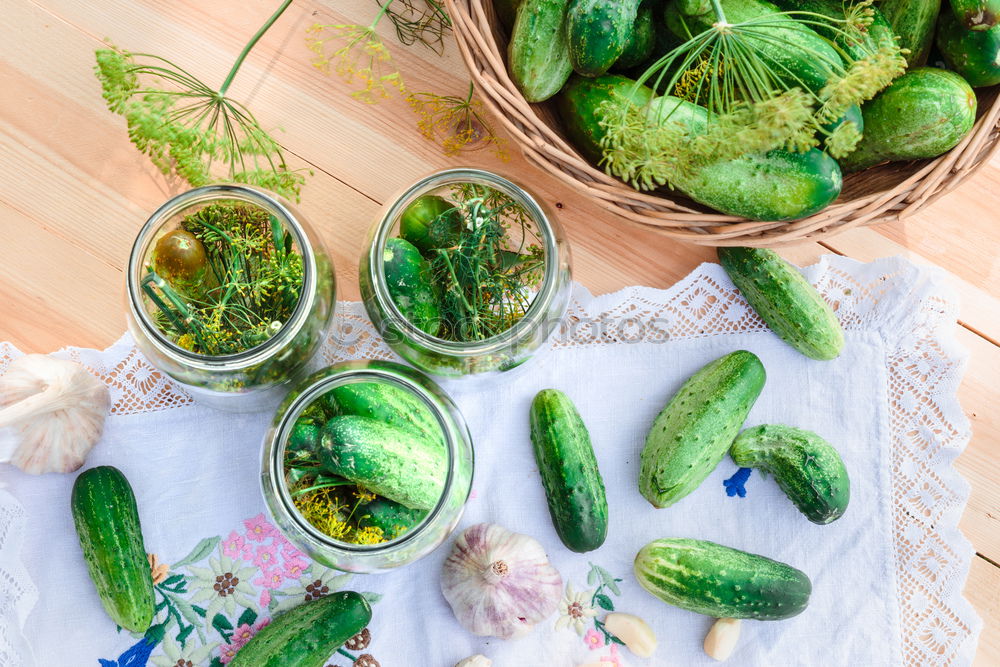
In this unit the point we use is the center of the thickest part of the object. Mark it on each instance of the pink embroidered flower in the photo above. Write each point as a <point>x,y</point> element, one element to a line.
<point>294,567</point>
<point>289,552</point>
<point>244,633</point>
<point>258,528</point>
<point>265,556</point>
<point>233,546</point>
<point>246,552</point>
<point>593,639</point>
<point>265,597</point>
<point>228,652</point>
<point>613,659</point>
<point>270,579</point>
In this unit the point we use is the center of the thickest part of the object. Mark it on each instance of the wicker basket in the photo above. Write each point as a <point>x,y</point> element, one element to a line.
<point>880,194</point>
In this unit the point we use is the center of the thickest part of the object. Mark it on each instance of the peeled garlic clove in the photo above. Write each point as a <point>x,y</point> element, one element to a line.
<point>720,642</point>
<point>477,660</point>
<point>639,638</point>
<point>56,409</point>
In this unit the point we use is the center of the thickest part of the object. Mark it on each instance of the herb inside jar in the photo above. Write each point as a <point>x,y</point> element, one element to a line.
<point>466,264</point>
<point>225,280</point>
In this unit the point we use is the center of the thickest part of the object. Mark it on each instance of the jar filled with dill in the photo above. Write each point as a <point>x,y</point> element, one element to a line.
<point>465,273</point>
<point>367,466</point>
<point>229,293</point>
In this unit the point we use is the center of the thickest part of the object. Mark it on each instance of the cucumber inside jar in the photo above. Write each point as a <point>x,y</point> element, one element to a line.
<point>464,262</point>
<point>366,462</point>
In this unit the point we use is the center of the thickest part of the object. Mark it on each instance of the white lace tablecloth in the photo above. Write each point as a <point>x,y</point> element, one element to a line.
<point>887,577</point>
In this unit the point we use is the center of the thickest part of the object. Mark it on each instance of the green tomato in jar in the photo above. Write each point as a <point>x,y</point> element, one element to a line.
<point>180,259</point>
<point>431,222</point>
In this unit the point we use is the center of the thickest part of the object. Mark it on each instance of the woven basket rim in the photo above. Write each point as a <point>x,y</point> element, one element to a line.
<point>474,24</point>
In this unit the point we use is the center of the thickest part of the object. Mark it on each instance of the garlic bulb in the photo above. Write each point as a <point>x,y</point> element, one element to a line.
<point>56,409</point>
<point>499,583</point>
<point>478,660</point>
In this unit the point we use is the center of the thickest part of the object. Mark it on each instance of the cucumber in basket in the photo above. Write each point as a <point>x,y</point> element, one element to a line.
<point>538,53</point>
<point>597,32</point>
<point>573,485</point>
<point>807,468</point>
<point>718,581</point>
<point>913,24</point>
<point>785,300</point>
<point>306,635</point>
<point>975,54</point>
<point>693,432</point>
<point>107,523</point>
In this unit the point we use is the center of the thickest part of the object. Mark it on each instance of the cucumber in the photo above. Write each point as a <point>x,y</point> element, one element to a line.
<point>107,523</point>
<point>785,300</point>
<point>779,185</point>
<point>538,53</point>
<point>852,115</point>
<point>923,114</point>
<point>597,31</point>
<point>387,460</point>
<point>806,59</point>
<point>573,485</point>
<point>408,277</point>
<point>431,222</point>
<point>975,54</point>
<point>693,432</point>
<point>862,42</point>
<point>386,403</point>
<point>390,517</point>
<point>722,582</point>
<point>976,15</point>
<point>913,24</point>
<point>306,635</point>
<point>693,7</point>
<point>303,441</point>
<point>807,468</point>
<point>641,39</point>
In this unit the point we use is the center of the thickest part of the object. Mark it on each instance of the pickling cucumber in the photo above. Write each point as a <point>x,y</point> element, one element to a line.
<point>693,432</point>
<point>387,403</point>
<point>408,278</point>
<point>806,467</point>
<point>913,24</point>
<point>922,114</point>
<point>975,54</point>
<point>779,185</point>
<point>858,43</point>
<point>597,32</point>
<point>306,635</point>
<point>390,461</point>
<point>718,581</point>
<point>641,39</point>
<point>538,53</point>
<point>976,15</point>
<point>107,523</point>
<point>573,485</point>
<point>785,300</point>
<point>390,517</point>
<point>431,222</point>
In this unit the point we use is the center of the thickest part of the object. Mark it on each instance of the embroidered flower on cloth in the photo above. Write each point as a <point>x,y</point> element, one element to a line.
<point>241,635</point>
<point>593,639</point>
<point>190,655</point>
<point>317,582</point>
<point>575,610</point>
<point>159,570</point>
<point>223,585</point>
<point>259,528</point>
<point>233,546</point>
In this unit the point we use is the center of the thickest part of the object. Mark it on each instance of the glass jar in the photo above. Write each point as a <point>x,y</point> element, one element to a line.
<point>224,381</point>
<point>416,542</point>
<point>500,352</point>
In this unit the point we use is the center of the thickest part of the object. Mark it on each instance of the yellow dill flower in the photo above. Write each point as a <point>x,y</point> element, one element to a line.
<point>363,495</point>
<point>458,123</point>
<point>843,139</point>
<point>369,535</point>
<point>863,80</point>
<point>363,58</point>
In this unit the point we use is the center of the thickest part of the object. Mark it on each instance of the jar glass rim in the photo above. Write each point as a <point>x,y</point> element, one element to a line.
<point>203,195</point>
<point>279,441</point>
<point>547,228</point>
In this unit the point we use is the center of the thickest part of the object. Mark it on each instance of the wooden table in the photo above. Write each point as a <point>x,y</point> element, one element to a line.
<point>73,192</point>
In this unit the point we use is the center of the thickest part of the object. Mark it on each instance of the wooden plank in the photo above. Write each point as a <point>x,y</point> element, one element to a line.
<point>981,590</point>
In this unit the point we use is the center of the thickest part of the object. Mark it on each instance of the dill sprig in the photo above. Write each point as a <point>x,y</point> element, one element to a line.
<point>251,283</point>
<point>419,21</point>
<point>751,103</point>
<point>458,123</point>
<point>485,279</point>
<point>189,129</point>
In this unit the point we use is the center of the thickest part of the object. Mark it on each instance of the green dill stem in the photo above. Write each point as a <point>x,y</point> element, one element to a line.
<point>253,42</point>
<point>719,14</point>
<point>325,485</point>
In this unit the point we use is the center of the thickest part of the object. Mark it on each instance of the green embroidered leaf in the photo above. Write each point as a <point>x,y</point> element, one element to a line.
<point>216,662</point>
<point>199,610</point>
<point>221,623</point>
<point>604,601</point>
<point>612,585</point>
<point>594,575</point>
<point>171,580</point>
<point>183,635</point>
<point>200,551</point>
<point>188,611</point>
<point>248,617</point>
<point>371,597</point>
<point>614,639</point>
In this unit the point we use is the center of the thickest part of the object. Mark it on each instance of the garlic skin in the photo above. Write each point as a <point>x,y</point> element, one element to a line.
<point>57,410</point>
<point>499,583</point>
<point>478,660</point>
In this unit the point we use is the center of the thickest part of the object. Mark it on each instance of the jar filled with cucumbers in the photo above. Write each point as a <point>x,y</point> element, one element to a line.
<point>367,466</point>
<point>465,273</point>
<point>229,293</point>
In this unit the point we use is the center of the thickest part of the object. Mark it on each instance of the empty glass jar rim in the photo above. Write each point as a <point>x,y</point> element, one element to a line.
<point>176,205</point>
<point>539,304</point>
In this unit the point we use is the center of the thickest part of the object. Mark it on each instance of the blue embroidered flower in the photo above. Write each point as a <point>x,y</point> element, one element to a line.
<point>138,654</point>
<point>734,485</point>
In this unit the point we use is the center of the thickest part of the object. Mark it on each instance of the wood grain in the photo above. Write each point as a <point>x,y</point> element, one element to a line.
<point>73,192</point>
